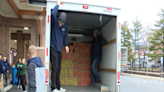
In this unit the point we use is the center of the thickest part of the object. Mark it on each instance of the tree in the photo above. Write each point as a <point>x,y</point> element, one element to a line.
<point>127,39</point>
<point>157,39</point>
<point>137,30</point>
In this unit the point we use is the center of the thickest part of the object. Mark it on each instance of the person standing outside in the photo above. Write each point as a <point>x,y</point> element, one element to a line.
<point>58,36</point>
<point>7,68</point>
<point>22,73</point>
<point>17,66</point>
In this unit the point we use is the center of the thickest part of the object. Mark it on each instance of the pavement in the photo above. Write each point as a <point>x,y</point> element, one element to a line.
<point>131,83</point>
<point>138,84</point>
<point>143,76</point>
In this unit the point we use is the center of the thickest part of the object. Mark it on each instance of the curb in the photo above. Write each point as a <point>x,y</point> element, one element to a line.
<point>5,89</point>
<point>141,76</point>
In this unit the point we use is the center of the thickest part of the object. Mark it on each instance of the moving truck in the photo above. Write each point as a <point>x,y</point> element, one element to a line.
<point>82,19</point>
<point>124,58</point>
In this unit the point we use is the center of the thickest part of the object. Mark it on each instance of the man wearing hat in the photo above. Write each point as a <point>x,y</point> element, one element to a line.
<point>58,36</point>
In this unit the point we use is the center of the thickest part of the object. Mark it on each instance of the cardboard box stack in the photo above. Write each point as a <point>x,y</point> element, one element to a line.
<point>76,65</point>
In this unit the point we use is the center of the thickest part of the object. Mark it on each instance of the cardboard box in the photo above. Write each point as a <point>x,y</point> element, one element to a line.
<point>85,46</point>
<point>81,60</point>
<point>79,81</point>
<point>89,61</point>
<point>75,73</point>
<point>81,53</point>
<point>89,46</point>
<point>80,74</point>
<point>71,56</point>
<point>75,45</point>
<point>66,64</point>
<point>63,64</point>
<point>90,68</point>
<point>75,66</point>
<point>76,59</point>
<point>74,82</point>
<point>71,64</point>
<point>66,56</point>
<point>85,67</point>
<point>76,51</point>
<point>89,74</point>
<point>85,75</point>
<point>70,80</point>
<point>81,45</point>
<point>86,53</point>
<point>80,68</point>
<point>66,72</point>
<point>62,72</point>
<point>85,83</point>
<point>70,72</point>
<point>89,81</point>
<point>62,80</point>
<point>66,81</point>
<point>70,49</point>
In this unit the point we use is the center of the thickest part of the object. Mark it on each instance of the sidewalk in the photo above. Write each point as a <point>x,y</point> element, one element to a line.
<point>143,76</point>
<point>14,89</point>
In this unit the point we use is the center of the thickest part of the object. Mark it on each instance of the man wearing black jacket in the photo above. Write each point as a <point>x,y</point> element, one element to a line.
<point>7,68</point>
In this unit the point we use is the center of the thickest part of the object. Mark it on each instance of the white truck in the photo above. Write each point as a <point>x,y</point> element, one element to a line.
<point>124,59</point>
<point>82,19</point>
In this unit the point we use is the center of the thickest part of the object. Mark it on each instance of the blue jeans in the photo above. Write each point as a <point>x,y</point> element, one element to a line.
<point>95,74</point>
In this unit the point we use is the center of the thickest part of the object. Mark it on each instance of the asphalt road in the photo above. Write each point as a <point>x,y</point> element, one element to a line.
<point>135,84</point>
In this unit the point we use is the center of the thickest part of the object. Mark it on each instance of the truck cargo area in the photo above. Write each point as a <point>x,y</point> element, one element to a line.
<point>80,26</point>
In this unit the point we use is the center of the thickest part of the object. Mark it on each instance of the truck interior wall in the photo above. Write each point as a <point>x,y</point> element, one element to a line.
<point>79,39</point>
<point>109,54</point>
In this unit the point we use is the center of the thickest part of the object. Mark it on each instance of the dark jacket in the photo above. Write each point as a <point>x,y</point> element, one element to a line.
<point>7,65</point>
<point>2,70</point>
<point>97,47</point>
<point>58,34</point>
<point>32,64</point>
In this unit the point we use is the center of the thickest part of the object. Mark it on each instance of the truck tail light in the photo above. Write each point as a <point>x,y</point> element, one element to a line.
<point>46,73</point>
<point>85,6</point>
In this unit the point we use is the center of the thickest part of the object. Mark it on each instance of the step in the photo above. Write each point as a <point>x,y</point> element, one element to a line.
<point>102,87</point>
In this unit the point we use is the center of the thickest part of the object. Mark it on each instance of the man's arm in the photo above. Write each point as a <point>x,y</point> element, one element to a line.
<point>31,75</point>
<point>55,10</point>
<point>8,65</point>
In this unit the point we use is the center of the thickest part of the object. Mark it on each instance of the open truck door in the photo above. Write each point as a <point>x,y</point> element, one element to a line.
<point>90,17</point>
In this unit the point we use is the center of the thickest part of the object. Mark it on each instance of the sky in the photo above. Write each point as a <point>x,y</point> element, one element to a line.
<point>146,10</point>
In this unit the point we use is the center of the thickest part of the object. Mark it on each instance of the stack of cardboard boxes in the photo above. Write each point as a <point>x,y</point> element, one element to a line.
<point>76,65</point>
<point>1,82</point>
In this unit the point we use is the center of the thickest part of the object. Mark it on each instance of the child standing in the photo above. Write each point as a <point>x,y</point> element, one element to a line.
<point>33,62</point>
<point>17,66</point>
<point>22,73</point>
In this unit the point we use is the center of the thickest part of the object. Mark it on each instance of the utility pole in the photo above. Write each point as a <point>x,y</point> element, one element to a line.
<point>135,45</point>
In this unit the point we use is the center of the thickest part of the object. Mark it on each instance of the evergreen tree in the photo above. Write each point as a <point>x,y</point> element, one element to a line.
<point>127,39</point>
<point>157,39</point>
<point>137,31</point>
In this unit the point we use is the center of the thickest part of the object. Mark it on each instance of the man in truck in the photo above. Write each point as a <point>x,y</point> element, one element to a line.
<point>58,36</point>
<point>97,42</point>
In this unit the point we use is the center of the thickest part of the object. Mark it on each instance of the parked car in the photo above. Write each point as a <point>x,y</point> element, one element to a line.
<point>155,66</point>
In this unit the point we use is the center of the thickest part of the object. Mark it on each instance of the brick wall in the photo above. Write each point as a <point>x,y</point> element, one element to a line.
<point>6,23</point>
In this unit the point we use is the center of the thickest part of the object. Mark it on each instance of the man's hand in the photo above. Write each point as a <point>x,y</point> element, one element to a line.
<point>3,67</point>
<point>7,70</point>
<point>67,49</point>
<point>58,2</point>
